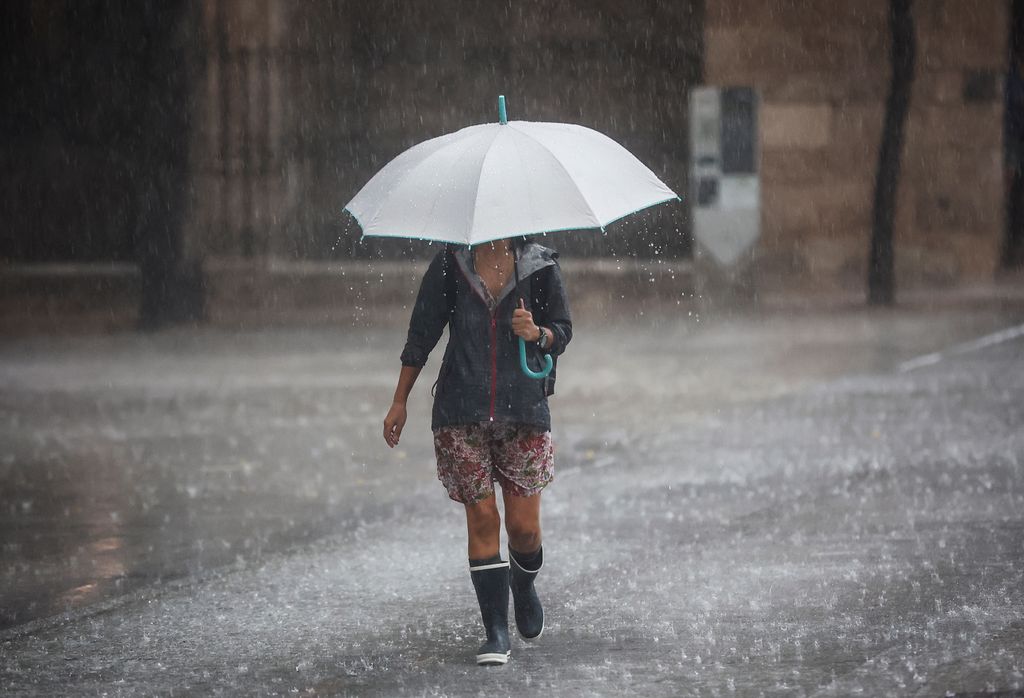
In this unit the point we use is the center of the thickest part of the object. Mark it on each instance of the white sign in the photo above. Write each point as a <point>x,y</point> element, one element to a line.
<point>726,187</point>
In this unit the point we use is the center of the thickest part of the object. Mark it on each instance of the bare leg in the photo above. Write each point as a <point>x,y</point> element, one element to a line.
<point>522,522</point>
<point>483,523</point>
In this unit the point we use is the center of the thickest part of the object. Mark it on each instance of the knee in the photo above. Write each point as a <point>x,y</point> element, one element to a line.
<point>483,520</point>
<point>523,536</point>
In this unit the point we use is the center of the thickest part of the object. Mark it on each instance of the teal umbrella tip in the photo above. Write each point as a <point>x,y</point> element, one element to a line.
<point>502,116</point>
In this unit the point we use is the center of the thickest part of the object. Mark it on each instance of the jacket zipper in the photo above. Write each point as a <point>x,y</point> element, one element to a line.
<point>494,341</point>
<point>494,361</point>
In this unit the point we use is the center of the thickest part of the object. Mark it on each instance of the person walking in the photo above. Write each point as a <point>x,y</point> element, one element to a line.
<point>491,422</point>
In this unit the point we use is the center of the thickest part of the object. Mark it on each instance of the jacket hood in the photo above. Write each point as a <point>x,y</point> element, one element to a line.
<point>532,258</point>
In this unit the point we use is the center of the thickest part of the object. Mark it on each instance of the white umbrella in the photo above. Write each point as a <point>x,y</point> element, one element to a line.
<point>494,181</point>
<point>506,179</point>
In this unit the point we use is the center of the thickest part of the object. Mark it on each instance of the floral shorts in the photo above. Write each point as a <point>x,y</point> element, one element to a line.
<point>470,457</point>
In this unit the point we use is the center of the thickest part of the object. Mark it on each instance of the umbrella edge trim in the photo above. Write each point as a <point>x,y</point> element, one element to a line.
<point>601,227</point>
<point>674,197</point>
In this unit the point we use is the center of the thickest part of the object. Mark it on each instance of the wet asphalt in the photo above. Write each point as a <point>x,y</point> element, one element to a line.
<point>746,505</point>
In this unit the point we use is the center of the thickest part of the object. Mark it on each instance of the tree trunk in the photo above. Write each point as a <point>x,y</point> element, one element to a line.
<point>881,263</point>
<point>1013,143</point>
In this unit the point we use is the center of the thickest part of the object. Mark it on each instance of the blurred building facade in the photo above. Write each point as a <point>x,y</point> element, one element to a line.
<point>301,103</point>
<point>293,106</point>
<point>823,72</point>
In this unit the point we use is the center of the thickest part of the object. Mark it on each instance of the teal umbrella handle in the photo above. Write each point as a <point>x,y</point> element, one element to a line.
<point>548,363</point>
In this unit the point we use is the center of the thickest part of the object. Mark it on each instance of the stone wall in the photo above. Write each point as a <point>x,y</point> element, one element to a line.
<point>302,102</point>
<point>823,71</point>
<point>73,298</point>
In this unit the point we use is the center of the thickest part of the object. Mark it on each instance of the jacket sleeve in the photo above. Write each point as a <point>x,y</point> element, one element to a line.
<point>430,314</point>
<point>553,307</point>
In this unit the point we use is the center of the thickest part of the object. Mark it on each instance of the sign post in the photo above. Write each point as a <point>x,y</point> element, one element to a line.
<point>725,189</point>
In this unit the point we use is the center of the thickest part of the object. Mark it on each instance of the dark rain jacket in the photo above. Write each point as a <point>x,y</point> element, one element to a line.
<point>480,378</point>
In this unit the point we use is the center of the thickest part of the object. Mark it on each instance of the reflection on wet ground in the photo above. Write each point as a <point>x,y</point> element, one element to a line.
<point>174,456</point>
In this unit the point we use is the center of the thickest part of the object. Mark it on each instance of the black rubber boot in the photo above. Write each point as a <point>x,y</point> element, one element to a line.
<point>529,613</point>
<point>491,584</point>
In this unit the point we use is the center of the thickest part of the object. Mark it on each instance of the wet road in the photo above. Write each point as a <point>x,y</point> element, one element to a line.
<point>742,506</point>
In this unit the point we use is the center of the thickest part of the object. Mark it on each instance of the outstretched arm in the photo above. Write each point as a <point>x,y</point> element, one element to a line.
<point>429,316</point>
<point>395,420</point>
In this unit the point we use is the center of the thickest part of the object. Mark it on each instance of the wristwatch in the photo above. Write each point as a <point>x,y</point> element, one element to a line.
<point>542,341</point>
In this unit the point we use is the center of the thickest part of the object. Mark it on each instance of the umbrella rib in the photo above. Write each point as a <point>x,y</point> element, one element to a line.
<point>402,179</point>
<point>529,190</point>
<point>381,205</point>
<point>408,174</point>
<point>476,194</point>
<point>593,213</point>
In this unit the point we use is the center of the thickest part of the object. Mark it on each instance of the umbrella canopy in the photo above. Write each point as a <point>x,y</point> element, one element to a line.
<point>501,180</point>
<point>494,181</point>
